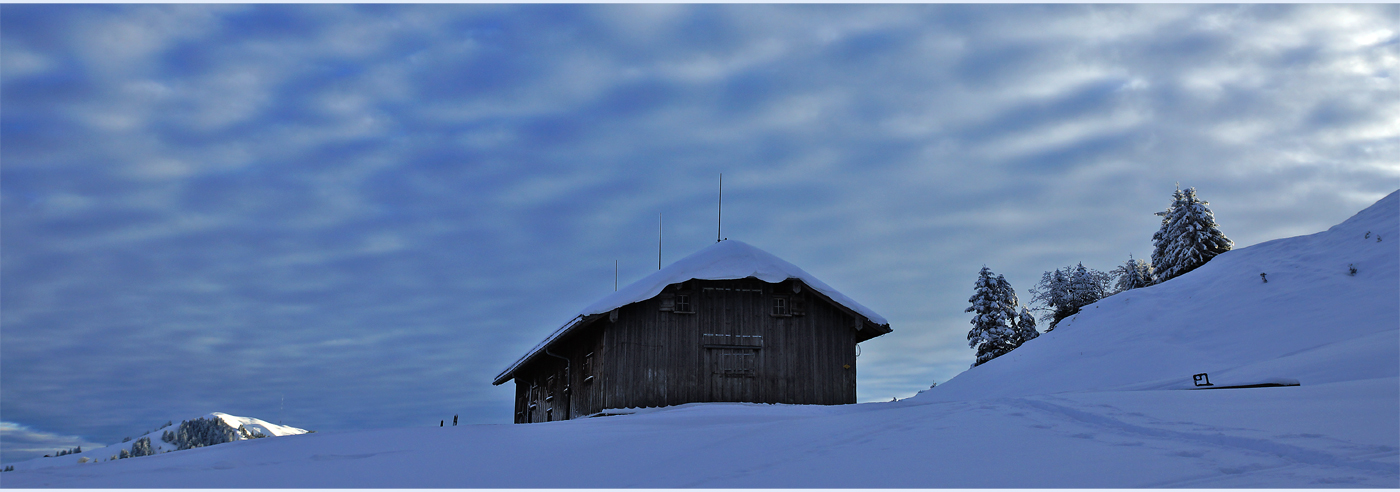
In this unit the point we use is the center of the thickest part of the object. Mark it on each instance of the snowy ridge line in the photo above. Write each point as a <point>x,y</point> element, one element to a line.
<point>725,260</point>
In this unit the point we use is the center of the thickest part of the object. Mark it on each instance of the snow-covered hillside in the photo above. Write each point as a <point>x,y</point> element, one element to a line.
<point>1106,400</point>
<point>1312,321</point>
<point>237,428</point>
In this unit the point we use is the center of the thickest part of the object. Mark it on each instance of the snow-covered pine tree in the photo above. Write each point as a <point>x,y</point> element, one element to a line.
<point>1063,292</point>
<point>1025,326</point>
<point>1052,293</point>
<point>142,447</point>
<point>991,335</point>
<point>1087,286</point>
<point>1134,274</point>
<point>1188,238</point>
<point>1006,296</point>
<point>1016,315</point>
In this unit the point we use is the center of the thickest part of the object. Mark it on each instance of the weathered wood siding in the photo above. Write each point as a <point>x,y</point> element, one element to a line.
<point>576,390</point>
<point>730,347</point>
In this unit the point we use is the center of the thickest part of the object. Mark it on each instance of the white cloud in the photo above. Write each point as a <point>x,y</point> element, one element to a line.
<point>18,62</point>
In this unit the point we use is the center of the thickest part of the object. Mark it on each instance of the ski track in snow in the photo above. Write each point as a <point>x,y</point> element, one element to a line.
<point>1215,437</point>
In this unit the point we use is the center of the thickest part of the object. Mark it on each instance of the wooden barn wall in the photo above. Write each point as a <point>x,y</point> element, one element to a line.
<point>731,349</point>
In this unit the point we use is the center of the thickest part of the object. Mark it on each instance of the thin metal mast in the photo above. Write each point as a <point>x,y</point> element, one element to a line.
<point>658,241</point>
<point>720,225</point>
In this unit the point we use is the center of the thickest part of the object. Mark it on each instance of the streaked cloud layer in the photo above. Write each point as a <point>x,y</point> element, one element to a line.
<point>370,210</point>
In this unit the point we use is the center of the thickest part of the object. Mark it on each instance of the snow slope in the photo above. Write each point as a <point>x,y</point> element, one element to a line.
<point>255,426</point>
<point>1103,401</point>
<point>1311,321</point>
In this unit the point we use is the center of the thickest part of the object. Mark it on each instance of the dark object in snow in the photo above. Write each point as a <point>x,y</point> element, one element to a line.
<point>1351,270</point>
<point>1368,235</point>
<point>454,420</point>
<point>1268,383</point>
<point>1202,377</point>
<point>440,423</point>
<point>1264,277</point>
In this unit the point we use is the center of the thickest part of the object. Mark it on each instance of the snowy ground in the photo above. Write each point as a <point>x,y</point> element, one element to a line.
<point>1106,400</point>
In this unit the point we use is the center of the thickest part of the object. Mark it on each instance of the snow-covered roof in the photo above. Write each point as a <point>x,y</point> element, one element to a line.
<point>724,260</point>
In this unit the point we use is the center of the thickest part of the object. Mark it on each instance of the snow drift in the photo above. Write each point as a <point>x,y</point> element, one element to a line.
<point>1104,400</point>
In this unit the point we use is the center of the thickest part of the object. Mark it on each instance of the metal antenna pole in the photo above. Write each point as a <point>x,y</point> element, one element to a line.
<point>720,225</point>
<point>614,275</point>
<point>658,241</point>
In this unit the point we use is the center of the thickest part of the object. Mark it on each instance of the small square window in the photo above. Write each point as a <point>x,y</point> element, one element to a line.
<point>683,304</point>
<point>780,307</point>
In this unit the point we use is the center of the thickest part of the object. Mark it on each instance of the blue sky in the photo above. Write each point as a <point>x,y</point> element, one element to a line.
<point>369,211</point>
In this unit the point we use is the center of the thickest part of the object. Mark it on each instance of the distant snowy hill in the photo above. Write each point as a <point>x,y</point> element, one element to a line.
<point>1105,400</point>
<point>234,428</point>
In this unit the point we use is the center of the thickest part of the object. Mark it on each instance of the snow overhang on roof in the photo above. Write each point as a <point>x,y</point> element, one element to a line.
<point>724,260</point>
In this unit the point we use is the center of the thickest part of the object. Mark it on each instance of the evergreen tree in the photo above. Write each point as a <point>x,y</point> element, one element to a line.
<point>990,334</point>
<point>202,432</point>
<point>1007,301</point>
<point>997,327</point>
<point>1188,237</point>
<point>1134,274</point>
<point>1087,286</point>
<point>1063,292</point>
<point>1025,326</point>
<point>1052,293</point>
<point>142,447</point>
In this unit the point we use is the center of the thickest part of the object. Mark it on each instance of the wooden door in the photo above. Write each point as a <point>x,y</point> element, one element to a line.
<point>732,339</point>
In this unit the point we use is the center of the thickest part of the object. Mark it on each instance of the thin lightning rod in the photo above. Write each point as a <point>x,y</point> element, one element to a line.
<point>720,225</point>
<point>614,275</point>
<point>658,241</point>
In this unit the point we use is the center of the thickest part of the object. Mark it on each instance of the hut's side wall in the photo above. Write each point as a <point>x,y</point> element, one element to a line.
<point>549,389</point>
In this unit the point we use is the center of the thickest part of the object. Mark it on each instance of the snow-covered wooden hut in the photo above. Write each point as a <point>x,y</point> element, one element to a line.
<point>730,323</point>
